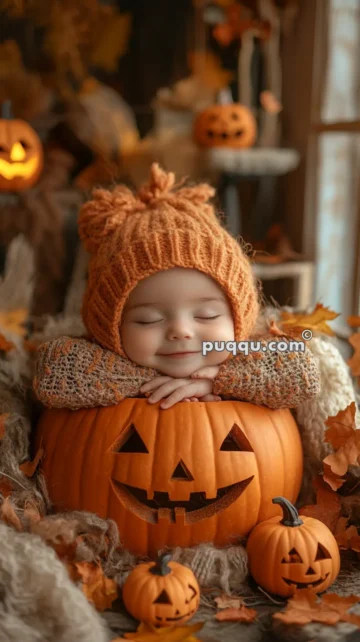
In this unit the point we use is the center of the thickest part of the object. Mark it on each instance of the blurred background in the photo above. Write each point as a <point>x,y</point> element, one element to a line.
<point>259,97</point>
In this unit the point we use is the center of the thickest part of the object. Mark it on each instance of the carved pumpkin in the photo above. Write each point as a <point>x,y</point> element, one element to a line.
<point>161,594</point>
<point>289,553</point>
<point>231,125</point>
<point>197,472</point>
<point>21,156</point>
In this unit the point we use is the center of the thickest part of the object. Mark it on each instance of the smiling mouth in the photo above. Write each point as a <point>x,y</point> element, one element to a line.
<point>176,619</point>
<point>161,507</point>
<point>305,584</point>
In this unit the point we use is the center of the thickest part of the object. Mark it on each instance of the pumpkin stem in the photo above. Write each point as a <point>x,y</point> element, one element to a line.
<point>291,516</point>
<point>161,567</point>
<point>6,110</point>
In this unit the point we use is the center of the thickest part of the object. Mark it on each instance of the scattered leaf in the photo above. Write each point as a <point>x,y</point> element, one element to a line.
<point>149,633</point>
<point>344,437</point>
<point>328,505</point>
<point>100,590</point>
<point>275,330</point>
<point>354,361</point>
<point>14,320</point>
<point>305,607</point>
<point>345,535</point>
<point>9,516</point>
<point>316,320</point>
<point>3,419</point>
<point>270,103</point>
<point>225,601</point>
<point>242,614</point>
<point>29,467</point>
<point>5,345</point>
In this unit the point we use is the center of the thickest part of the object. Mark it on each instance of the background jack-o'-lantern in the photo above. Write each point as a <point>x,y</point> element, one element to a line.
<point>289,553</point>
<point>21,154</point>
<point>230,125</point>
<point>161,594</point>
<point>203,472</point>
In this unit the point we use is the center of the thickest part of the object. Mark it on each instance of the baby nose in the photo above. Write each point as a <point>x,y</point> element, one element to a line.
<point>179,330</point>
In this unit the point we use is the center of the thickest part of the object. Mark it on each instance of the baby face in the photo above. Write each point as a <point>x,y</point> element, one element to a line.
<point>174,311</point>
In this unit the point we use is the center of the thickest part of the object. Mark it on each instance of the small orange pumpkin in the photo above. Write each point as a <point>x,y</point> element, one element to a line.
<point>162,594</point>
<point>290,553</point>
<point>231,125</point>
<point>21,155</point>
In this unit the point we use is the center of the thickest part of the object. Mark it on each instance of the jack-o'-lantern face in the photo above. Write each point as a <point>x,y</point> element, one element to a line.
<point>177,477</point>
<point>230,125</point>
<point>165,594</point>
<point>293,553</point>
<point>21,156</point>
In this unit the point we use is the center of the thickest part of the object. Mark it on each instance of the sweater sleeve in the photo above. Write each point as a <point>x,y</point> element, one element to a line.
<point>76,373</point>
<point>274,379</point>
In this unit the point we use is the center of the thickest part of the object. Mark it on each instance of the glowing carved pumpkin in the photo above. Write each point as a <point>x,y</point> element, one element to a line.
<point>195,472</point>
<point>161,594</point>
<point>289,553</point>
<point>21,156</point>
<point>231,125</point>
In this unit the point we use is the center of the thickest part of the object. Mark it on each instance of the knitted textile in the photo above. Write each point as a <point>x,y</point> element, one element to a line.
<point>76,373</point>
<point>133,236</point>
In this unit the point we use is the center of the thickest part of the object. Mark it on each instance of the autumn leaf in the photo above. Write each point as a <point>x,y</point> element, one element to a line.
<point>353,321</point>
<point>101,591</point>
<point>275,330</point>
<point>305,607</point>
<point>9,516</point>
<point>295,323</point>
<point>345,535</point>
<point>344,437</point>
<point>328,505</point>
<point>3,419</point>
<point>354,361</point>
<point>207,68</point>
<point>225,601</point>
<point>149,633</point>
<point>29,467</point>
<point>5,345</point>
<point>242,614</point>
<point>14,320</point>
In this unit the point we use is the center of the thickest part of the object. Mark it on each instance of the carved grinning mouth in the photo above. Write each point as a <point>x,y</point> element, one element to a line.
<point>176,619</point>
<point>224,135</point>
<point>161,507</point>
<point>305,584</point>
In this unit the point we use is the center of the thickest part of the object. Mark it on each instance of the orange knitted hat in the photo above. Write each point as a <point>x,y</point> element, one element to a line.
<point>132,236</point>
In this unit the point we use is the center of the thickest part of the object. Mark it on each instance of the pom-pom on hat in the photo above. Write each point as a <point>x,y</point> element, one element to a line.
<point>132,236</point>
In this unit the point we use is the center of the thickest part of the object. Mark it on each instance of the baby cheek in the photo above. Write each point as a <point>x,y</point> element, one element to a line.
<point>223,330</point>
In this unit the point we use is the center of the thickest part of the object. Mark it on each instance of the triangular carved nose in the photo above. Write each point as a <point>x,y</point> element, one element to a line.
<point>181,473</point>
<point>310,571</point>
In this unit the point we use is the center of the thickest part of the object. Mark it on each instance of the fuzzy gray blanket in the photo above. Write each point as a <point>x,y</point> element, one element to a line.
<point>39,602</point>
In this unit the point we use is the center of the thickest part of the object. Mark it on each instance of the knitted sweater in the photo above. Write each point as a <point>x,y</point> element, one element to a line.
<point>76,373</point>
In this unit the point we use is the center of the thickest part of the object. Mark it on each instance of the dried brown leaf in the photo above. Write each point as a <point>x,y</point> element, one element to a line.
<point>241,614</point>
<point>225,601</point>
<point>305,607</point>
<point>29,467</point>
<point>354,361</point>
<point>328,505</point>
<point>316,320</point>
<point>101,591</point>
<point>5,345</point>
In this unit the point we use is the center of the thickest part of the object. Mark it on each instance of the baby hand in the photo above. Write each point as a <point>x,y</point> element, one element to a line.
<point>208,372</point>
<point>176,390</point>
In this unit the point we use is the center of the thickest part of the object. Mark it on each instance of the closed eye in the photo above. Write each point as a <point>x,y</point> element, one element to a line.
<point>216,317</point>
<point>148,322</point>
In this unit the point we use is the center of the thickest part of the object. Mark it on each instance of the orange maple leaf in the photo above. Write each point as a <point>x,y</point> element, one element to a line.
<point>328,505</point>
<point>5,345</point>
<point>305,607</point>
<point>3,419</point>
<point>345,535</point>
<point>29,467</point>
<point>354,361</point>
<point>100,590</point>
<point>225,601</point>
<point>315,320</point>
<point>242,614</point>
<point>344,437</point>
<point>353,321</point>
<point>14,320</point>
<point>148,633</point>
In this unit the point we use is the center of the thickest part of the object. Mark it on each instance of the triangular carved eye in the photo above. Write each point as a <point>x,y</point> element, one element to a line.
<point>194,593</point>
<point>322,553</point>
<point>294,557</point>
<point>133,443</point>
<point>236,440</point>
<point>163,598</point>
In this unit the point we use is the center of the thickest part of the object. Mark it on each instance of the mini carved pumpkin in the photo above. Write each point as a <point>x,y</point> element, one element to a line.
<point>161,594</point>
<point>288,553</point>
<point>231,125</point>
<point>197,472</point>
<point>21,156</point>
